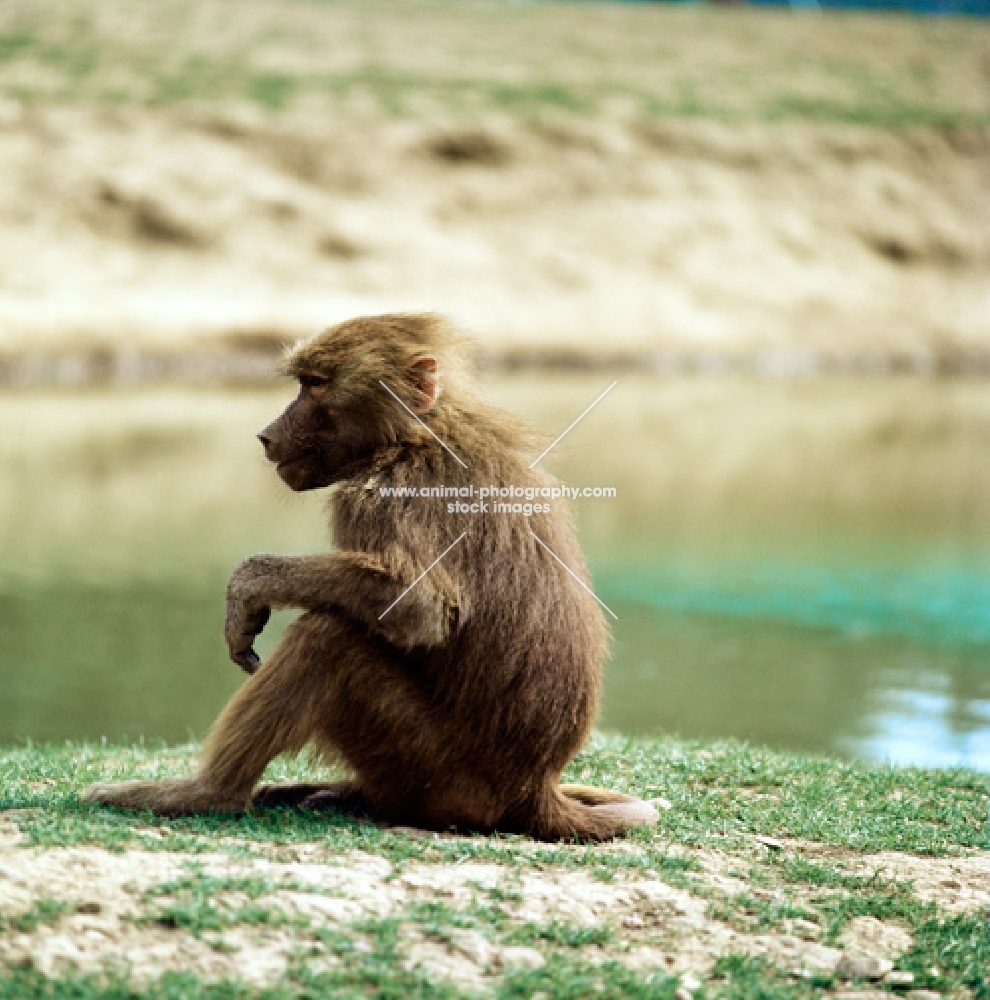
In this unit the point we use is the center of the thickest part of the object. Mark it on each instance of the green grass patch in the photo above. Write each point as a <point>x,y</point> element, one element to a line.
<point>200,903</point>
<point>950,953</point>
<point>43,912</point>
<point>730,790</point>
<point>561,934</point>
<point>721,795</point>
<point>742,977</point>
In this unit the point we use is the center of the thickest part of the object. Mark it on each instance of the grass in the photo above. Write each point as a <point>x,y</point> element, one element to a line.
<point>444,58</point>
<point>721,795</point>
<point>41,913</point>
<point>198,903</point>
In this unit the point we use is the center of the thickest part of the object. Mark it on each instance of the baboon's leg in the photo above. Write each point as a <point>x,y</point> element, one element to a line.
<point>330,681</point>
<point>276,711</point>
<point>413,764</point>
<point>409,760</point>
<point>341,796</point>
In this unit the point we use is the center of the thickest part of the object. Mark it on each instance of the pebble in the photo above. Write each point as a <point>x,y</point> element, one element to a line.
<point>817,960</point>
<point>633,922</point>
<point>19,958</point>
<point>772,842</point>
<point>521,957</point>
<point>859,965</point>
<point>899,978</point>
<point>690,982</point>
<point>806,929</point>
<point>473,946</point>
<point>923,995</point>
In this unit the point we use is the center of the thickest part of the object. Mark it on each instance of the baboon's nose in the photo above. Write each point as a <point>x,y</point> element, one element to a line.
<point>266,442</point>
<point>271,439</point>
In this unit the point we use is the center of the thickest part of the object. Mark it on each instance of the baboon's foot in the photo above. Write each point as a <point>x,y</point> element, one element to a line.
<point>332,796</point>
<point>177,797</point>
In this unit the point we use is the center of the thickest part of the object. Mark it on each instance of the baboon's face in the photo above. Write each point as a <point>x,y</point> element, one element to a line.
<point>312,443</point>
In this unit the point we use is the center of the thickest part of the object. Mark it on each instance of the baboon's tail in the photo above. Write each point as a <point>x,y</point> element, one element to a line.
<point>570,811</point>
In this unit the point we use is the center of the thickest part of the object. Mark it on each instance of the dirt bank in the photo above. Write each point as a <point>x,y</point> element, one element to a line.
<point>253,919</point>
<point>634,186</point>
<point>794,245</point>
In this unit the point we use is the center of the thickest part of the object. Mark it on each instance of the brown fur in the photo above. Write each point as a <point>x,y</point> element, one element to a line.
<point>462,705</point>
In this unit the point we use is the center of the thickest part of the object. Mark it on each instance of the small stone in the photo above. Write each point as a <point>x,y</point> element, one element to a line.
<point>690,982</point>
<point>772,842</point>
<point>521,957</point>
<point>682,994</point>
<point>472,945</point>
<point>897,977</point>
<point>89,907</point>
<point>817,960</point>
<point>806,929</point>
<point>19,958</point>
<point>859,965</point>
<point>923,995</point>
<point>869,936</point>
<point>416,880</point>
<point>860,995</point>
<point>633,922</point>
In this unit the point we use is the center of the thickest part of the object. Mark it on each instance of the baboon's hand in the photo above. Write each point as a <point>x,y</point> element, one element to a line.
<point>247,614</point>
<point>242,624</point>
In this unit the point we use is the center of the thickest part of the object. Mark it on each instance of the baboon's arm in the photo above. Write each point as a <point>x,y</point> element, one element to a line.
<point>362,585</point>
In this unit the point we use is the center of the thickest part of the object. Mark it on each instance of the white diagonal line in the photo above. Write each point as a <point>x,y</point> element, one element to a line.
<point>421,575</point>
<point>595,403</point>
<point>413,415</point>
<point>569,570</point>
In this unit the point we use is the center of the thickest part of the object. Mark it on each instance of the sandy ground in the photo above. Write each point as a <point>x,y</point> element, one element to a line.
<point>798,246</point>
<point>115,901</point>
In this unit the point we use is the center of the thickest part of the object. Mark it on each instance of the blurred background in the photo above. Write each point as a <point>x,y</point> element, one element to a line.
<point>770,225</point>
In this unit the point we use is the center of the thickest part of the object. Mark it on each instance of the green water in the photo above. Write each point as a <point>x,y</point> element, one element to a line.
<point>801,564</point>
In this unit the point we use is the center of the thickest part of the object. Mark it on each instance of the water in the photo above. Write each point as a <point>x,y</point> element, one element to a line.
<point>803,564</point>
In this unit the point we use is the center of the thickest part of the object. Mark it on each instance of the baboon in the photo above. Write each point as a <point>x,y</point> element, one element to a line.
<point>455,697</point>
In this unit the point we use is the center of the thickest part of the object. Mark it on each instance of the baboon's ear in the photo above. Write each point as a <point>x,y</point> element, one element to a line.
<point>424,373</point>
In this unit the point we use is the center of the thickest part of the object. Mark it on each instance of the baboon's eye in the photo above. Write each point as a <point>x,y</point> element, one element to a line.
<point>313,381</point>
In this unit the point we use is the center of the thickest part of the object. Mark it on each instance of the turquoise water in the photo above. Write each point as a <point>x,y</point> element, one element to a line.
<point>804,565</point>
<point>940,606</point>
